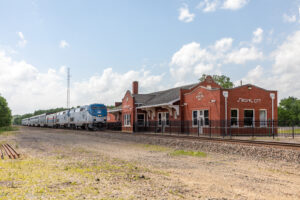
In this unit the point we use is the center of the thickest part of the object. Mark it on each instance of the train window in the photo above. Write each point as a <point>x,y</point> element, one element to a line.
<point>82,109</point>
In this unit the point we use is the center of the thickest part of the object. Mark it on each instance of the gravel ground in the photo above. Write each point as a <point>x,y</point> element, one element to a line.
<point>227,172</point>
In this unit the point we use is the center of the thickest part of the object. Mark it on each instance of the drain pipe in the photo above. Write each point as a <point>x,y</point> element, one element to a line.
<point>225,94</point>
<point>272,95</point>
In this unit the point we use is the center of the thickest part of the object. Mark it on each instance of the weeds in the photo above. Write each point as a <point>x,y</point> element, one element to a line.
<point>188,153</point>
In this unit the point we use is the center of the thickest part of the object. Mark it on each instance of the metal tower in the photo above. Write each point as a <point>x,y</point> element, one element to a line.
<point>68,89</point>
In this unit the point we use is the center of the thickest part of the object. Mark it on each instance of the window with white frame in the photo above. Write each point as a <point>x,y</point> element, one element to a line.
<point>248,117</point>
<point>167,119</point>
<point>234,117</point>
<point>126,119</point>
<point>206,118</point>
<point>195,117</point>
<point>263,118</point>
<point>159,118</point>
<point>141,119</point>
<point>163,118</point>
<point>201,117</point>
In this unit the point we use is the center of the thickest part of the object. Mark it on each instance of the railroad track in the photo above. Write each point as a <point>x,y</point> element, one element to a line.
<point>285,145</point>
<point>6,149</point>
<point>224,140</point>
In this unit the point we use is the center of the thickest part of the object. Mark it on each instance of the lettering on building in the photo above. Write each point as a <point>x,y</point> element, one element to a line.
<point>242,100</point>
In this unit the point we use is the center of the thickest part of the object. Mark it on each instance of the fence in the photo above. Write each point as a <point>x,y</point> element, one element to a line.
<point>220,128</point>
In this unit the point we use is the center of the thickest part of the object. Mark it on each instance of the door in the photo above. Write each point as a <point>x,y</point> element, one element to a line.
<point>163,120</point>
<point>200,121</point>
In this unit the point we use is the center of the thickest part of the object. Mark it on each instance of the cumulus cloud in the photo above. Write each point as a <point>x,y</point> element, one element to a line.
<point>243,55</point>
<point>185,15</point>
<point>289,18</point>
<point>208,5</point>
<point>22,42</point>
<point>213,5</point>
<point>234,4</point>
<point>284,75</point>
<point>192,60</point>
<point>223,44</point>
<point>63,44</point>
<point>27,89</point>
<point>257,35</point>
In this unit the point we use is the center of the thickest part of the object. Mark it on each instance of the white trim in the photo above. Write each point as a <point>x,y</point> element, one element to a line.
<point>253,118</point>
<point>198,114</point>
<point>166,125</point>
<point>266,118</point>
<point>194,126</point>
<point>238,117</point>
<point>125,118</point>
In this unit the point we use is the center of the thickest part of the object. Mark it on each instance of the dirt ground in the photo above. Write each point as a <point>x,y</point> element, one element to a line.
<point>66,164</point>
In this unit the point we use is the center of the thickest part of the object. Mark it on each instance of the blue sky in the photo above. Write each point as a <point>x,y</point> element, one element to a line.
<point>144,40</point>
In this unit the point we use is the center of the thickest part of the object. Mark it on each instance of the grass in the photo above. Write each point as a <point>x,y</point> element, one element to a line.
<point>8,129</point>
<point>70,177</point>
<point>173,152</point>
<point>156,148</point>
<point>288,130</point>
<point>188,153</point>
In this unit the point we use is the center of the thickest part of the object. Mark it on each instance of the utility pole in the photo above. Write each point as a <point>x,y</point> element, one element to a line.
<point>68,88</point>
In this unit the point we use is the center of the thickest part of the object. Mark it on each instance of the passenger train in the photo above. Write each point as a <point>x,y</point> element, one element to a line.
<point>89,117</point>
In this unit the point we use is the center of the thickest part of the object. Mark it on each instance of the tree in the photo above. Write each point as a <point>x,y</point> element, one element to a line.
<point>289,110</point>
<point>222,80</point>
<point>5,113</point>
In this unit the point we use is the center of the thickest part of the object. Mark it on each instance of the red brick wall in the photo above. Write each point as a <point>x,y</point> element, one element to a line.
<point>128,108</point>
<point>201,98</point>
<point>111,117</point>
<point>260,99</point>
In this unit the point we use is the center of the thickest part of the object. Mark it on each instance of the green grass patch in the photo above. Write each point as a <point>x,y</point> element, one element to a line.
<point>8,129</point>
<point>156,148</point>
<point>188,153</point>
<point>288,130</point>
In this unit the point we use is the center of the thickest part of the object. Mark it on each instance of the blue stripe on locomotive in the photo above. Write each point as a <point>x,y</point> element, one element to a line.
<point>98,110</point>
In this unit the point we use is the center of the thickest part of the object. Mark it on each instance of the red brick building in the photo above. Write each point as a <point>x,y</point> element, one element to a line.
<point>199,107</point>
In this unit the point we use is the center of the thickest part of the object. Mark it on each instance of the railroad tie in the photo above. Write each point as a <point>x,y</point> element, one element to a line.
<point>9,151</point>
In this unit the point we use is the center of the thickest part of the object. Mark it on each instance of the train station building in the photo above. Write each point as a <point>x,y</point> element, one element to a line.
<point>197,108</point>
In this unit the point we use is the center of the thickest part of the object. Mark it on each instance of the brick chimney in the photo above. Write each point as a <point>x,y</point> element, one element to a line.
<point>135,87</point>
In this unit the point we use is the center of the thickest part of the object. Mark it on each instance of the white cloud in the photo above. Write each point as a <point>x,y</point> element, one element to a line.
<point>27,89</point>
<point>63,44</point>
<point>185,15</point>
<point>284,75</point>
<point>234,4</point>
<point>22,42</point>
<point>213,5</point>
<point>289,18</point>
<point>192,60</point>
<point>208,5</point>
<point>223,45</point>
<point>243,55</point>
<point>257,35</point>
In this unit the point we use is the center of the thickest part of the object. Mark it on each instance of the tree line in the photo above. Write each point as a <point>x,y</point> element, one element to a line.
<point>288,109</point>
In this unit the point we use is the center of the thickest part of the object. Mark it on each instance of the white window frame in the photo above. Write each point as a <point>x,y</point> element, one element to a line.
<point>138,118</point>
<point>253,118</point>
<point>127,118</point>
<point>266,118</point>
<point>198,113</point>
<point>237,117</point>
<point>161,113</point>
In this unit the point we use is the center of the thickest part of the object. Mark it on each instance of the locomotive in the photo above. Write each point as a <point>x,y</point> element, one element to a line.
<point>89,117</point>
